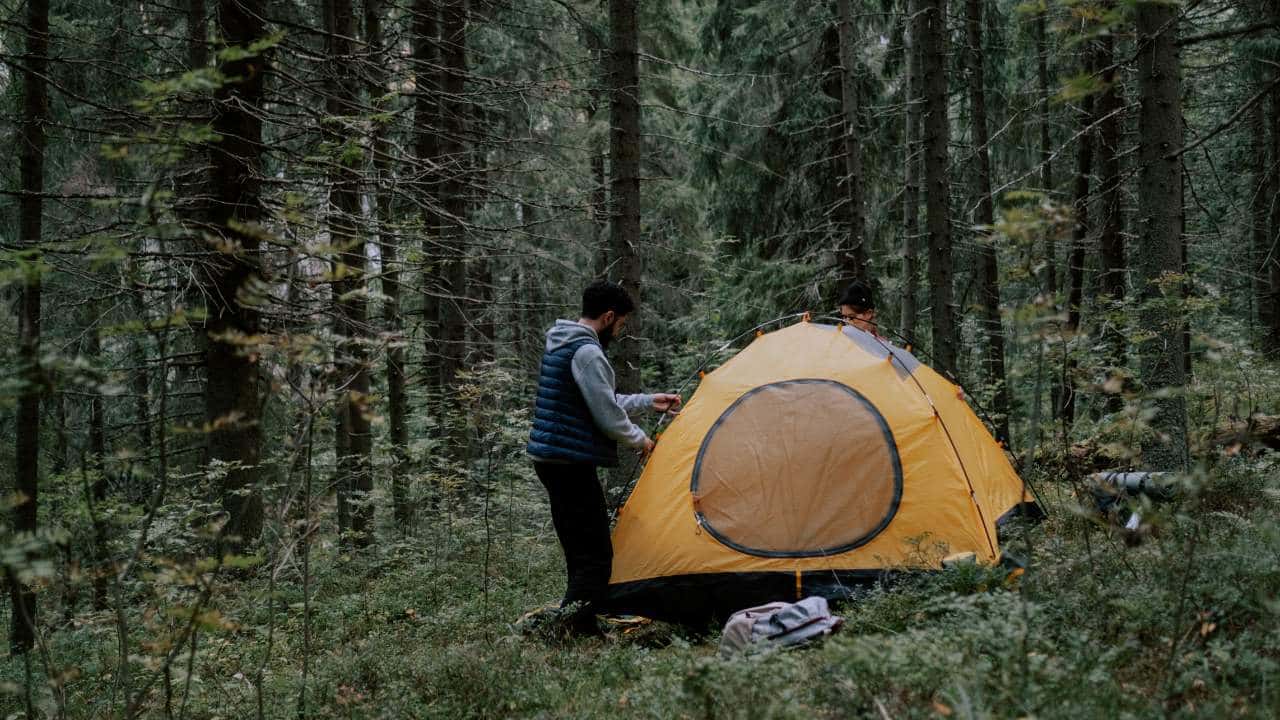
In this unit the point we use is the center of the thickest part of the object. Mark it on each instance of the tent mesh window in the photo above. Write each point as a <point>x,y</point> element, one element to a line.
<point>799,468</point>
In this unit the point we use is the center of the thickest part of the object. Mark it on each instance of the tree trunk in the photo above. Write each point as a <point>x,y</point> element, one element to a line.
<point>141,376</point>
<point>1075,261</point>
<point>191,178</point>
<point>531,289</point>
<point>624,155</point>
<point>485,341</point>
<point>1111,238</point>
<point>426,139</point>
<point>197,34</point>
<point>97,466</point>
<point>1261,199</point>
<point>35,103</point>
<point>1045,98</point>
<point>455,166</point>
<point>598,212</point>
<point>912,116</point>
<point>232,397</point>
<point>301,380</point>
<point>1160,316</point>
<point>937,136</point>
<point>598,209</point>
<point>851,259</point>
<point>480,260</point>
<point>1184,255</point>
<point>388,244</point>
<point>1046,148</point>
<point>988,265</point>
<point>1273,269</point>
<point>355,473</point>
<point>61,448</point>
<point>70,568</point>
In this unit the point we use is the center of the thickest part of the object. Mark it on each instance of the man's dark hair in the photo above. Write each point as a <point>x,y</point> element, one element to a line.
<point>858,296</point>
<point>602,296</point>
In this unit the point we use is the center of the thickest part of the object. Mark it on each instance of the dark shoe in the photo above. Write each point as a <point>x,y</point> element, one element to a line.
<point>585,625</point>
<point>556,625</point>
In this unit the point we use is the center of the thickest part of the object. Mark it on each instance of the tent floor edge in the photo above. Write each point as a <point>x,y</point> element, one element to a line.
<point>698,599</point>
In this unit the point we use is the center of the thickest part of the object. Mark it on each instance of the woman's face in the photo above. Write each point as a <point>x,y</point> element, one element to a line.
<point>862,319</point>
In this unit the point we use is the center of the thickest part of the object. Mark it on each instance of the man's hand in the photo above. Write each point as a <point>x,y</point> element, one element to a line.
<point>666,403</point>
<point>648,447</point>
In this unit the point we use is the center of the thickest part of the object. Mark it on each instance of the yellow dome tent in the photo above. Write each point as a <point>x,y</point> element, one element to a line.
<point>817,458</point>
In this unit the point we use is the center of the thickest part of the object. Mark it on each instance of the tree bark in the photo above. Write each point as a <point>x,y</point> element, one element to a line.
<point>1080,229</point>
<point>482,292</point>
<point>1045,97</point>
<point>912,118</point>
<point>988,263</point>
<point>60,464</point>
<point>480,282</point>
<point>97,467</point>
<point>624,156</point>
<point>1159,265</point>
<point>1046,148</point>
<point>388,244</point>
<point>301,380</point>
<point>426,140</point>
<point>598,208</point>
<point>197,34</point>
<point>70,567</point>
<point>350,306</point>
<point>232,397</point>
<point>1111,238</point>
<point>141,375</point>
<point>598,214</point>
<point>851,259</point>
<point>1261,199</point>
<point>26,474</point>
<point>456,161</point>
<point>1273,268</point>
<point>531,289</point>
<point>937,136</point>
<point>1184,255</point>
<point>482,342</point>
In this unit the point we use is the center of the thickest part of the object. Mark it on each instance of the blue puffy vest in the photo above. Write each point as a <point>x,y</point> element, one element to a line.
<point>563,428</point>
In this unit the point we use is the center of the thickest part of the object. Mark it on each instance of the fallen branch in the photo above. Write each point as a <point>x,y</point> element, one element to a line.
<point>1253,434</point>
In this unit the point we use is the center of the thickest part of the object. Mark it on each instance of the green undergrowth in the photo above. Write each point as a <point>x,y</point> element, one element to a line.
<point>1184,623</point>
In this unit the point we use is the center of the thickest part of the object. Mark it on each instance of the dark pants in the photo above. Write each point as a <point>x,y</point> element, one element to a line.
<point>582,523</point>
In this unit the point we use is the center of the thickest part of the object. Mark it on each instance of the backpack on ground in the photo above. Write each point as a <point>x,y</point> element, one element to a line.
<point>778,624</point>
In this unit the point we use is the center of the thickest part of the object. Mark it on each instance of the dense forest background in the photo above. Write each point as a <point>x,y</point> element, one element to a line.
<point>276,273</point>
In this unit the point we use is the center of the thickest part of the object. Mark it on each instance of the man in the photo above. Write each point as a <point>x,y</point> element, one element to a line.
<point>858,307</point>
<point>579,419</point>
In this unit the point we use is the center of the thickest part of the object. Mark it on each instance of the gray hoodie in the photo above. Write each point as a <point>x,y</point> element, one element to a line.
<point>593,373</point>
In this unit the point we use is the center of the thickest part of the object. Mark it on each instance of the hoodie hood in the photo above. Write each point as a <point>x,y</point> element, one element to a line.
<point>568,331</point>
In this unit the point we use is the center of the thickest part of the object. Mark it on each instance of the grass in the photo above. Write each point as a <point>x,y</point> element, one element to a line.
<point>1184,624</point>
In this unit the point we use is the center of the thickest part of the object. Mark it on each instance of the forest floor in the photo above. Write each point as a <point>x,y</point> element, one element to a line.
<point>1185,623</point>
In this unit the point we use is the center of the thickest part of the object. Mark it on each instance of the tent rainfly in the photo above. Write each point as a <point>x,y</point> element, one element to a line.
<point>817,459</point>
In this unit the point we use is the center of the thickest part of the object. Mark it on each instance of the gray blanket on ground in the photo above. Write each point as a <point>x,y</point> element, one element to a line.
<point>778,624</point>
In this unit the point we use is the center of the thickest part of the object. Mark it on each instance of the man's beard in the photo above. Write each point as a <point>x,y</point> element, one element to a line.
<point>606,337</point>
